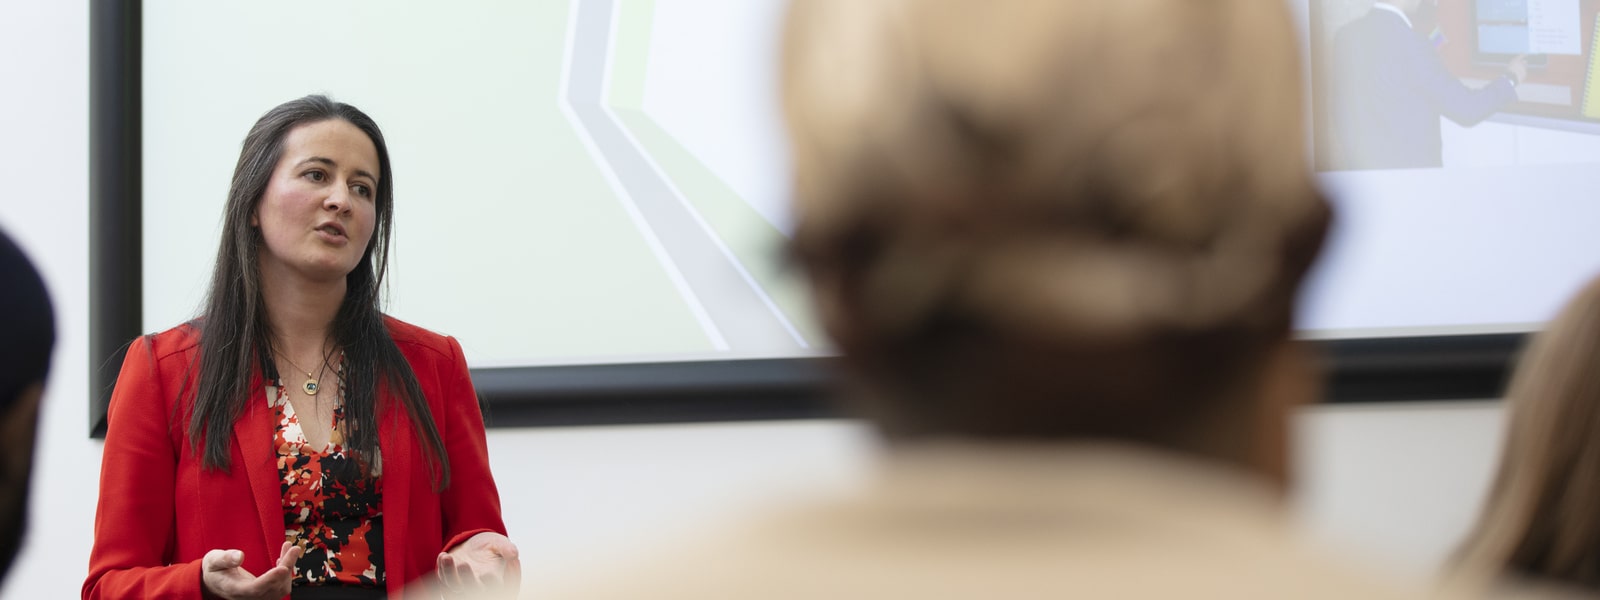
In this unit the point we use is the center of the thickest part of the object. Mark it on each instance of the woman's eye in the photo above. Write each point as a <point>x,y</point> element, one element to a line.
<point>363,191</point>
<point>315,175</point>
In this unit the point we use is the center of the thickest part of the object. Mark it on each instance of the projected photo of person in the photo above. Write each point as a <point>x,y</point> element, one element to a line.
<point>1439,83</point>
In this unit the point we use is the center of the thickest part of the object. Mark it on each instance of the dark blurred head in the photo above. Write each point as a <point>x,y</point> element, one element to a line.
<point>28,326</point>
<point>1041,220</point>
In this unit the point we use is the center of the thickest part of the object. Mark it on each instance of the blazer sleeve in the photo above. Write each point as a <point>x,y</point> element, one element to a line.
<point>134,532</point>
<point>471,504</point>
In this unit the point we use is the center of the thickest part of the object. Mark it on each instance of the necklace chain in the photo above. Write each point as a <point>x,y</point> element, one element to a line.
<point>313,382</point>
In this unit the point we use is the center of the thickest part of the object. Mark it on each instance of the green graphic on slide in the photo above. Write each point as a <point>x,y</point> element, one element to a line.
<point>756,243</point>
<point>598,290</point>
<point>753,241</point>
<point>630,54</point>
<point>723,255</point>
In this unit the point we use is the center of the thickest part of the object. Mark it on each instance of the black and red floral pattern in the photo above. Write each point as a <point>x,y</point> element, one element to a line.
<point>330,509</point>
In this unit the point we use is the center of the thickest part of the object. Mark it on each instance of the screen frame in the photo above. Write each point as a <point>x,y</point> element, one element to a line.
<point>1359,370</point>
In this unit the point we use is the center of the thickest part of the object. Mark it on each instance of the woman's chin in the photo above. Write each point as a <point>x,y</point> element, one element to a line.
<point>329,272</point>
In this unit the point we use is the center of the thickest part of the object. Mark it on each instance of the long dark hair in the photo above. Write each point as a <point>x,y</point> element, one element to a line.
<point>236,338</point>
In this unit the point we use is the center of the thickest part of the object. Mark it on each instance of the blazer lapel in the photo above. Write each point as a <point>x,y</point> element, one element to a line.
<point>253,433</point>
<point>394,445</point>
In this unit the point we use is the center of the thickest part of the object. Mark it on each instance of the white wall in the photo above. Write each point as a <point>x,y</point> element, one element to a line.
<point>1399,482</point>
<point>44,128</point>
<point>1395,486</point>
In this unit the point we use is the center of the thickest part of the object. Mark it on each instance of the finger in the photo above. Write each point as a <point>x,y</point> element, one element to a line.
<point>222,560</point>
<point>508,577</point>
<point>508,584</point>
<point>447,571</point>
<point>490,580</point>
<point>220,572</point>
<point>506,551</point>
<point>290,555</point>
<point>513,572</point>
<point>469,575</point>
<point>473,576</point>
<point>276,582</point>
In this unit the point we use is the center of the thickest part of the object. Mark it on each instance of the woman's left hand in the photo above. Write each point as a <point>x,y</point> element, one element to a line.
<point>484,566</point>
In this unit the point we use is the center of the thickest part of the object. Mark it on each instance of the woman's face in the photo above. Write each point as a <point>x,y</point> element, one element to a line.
<point>317,214</point>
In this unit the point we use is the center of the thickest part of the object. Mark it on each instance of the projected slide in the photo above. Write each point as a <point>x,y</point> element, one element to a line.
<point>1458,212</point>
<point>605,181</point>
<point>575,181</point>
<point>1387,80</point>
<point>702,230</point>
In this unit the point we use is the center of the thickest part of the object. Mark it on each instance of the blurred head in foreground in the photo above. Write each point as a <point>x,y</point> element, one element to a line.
<point>1033,227</point>
<point>1540,524</point>
<point>27,324</point>
<point>1039,220</point>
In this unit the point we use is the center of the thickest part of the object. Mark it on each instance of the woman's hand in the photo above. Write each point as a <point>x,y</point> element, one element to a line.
<point>223,577</point>
<point>486,563</point>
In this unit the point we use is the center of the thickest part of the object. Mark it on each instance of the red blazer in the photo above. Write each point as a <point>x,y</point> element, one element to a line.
<point>160,512</point>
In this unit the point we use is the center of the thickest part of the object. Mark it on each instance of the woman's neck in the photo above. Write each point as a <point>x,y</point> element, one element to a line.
<point>301,313</point>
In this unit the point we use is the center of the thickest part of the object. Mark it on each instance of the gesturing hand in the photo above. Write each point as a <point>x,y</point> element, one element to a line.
<point>223,577</point>
<point>484,566</point>
<point>1519,68</point>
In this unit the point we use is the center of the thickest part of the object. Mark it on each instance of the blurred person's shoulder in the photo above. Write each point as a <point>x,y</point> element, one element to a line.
<point>968,522</point>
<point>1476,584</point>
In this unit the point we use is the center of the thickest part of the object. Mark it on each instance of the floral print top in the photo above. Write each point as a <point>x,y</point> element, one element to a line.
<point>329,510</point>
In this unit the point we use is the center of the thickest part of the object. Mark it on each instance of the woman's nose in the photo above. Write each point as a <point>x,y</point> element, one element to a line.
<point>338,199</point>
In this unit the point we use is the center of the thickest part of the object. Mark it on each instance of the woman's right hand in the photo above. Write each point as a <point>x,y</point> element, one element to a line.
<point>223,577</point>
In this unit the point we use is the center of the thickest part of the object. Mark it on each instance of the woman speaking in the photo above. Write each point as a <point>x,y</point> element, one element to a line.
<point>293,440</point>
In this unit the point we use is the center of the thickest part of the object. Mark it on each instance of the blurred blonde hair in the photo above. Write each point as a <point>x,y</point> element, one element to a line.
<point>1047,200</point>
<point>1542,518</point>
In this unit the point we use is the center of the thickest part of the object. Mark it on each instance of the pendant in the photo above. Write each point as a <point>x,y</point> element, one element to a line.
<point>310,387</point>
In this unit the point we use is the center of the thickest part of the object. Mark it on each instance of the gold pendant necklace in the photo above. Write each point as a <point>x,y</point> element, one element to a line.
<point>311,385</point>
